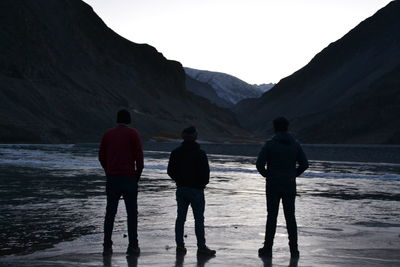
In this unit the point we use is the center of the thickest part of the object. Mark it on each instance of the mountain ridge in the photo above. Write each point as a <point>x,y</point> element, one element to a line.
<point>64,74</point>
<point>335,80</point>
<point>228,89</point>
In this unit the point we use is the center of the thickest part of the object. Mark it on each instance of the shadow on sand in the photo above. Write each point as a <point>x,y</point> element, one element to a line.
<point>268,262</point>
<point>132,261</point>
<point>201,259</point>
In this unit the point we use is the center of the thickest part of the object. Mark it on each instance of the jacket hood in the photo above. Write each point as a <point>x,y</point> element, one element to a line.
<point>284,138</point>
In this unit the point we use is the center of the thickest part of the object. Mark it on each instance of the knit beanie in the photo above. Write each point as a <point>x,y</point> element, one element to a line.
<point>189,134</point>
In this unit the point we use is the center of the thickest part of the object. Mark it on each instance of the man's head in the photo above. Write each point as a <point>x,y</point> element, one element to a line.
<point>189,134</point>
<point>123,116</point>
<point>281,124</point>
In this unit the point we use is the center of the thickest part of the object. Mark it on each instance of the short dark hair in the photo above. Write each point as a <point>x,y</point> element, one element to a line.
<point>123,116</point>
<point>281,124</point>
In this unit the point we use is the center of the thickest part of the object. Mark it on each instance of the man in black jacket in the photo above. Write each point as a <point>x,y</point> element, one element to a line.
<point>281,154</point>
<point>188,167</point>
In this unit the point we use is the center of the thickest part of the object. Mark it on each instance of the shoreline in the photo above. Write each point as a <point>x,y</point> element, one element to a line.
<point>324,152</point>
<point>374,153</point>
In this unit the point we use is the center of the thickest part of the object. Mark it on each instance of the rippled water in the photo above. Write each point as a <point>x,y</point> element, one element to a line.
<point>51,193</point>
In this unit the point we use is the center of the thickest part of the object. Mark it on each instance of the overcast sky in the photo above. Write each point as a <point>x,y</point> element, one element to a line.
<point>258,41</point>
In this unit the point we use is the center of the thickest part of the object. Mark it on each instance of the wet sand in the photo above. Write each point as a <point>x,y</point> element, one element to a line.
<point>373,248</point>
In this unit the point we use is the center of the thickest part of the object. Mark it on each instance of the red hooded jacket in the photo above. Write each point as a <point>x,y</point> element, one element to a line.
<point>121,152</point>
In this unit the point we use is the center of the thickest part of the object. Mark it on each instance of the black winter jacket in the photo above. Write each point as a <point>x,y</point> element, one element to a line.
<point>281,154</point>
<point>188,165</point>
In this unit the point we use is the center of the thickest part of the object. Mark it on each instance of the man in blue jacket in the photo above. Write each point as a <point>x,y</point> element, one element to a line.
<point>188,167</point>
<point>285,160</point>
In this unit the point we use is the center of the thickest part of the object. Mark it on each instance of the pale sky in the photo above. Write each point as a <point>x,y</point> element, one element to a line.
<point>258,41</point>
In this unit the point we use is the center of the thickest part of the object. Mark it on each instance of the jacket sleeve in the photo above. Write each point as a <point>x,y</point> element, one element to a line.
<point>262,161</point>
<point>205,168</point>
<point>302,162</point>
<point>139,160</point>
<point>172,168</point>
<point>103,153</point>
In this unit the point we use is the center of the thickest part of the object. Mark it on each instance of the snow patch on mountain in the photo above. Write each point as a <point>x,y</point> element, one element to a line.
<point>226,86</point>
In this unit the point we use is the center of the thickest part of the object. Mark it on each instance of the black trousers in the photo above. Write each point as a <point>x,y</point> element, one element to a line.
<point>288,201</point>
<point>126,187</point>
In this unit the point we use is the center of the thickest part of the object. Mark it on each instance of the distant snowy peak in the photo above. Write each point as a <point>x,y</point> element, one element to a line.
<point>227,87</point>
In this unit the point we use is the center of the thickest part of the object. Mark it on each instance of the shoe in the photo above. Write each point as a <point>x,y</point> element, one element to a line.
<point>107,251</point>
<point>133,251</point>
<point>181,250</point>
<point>206,251</point>
<point>265,252</point>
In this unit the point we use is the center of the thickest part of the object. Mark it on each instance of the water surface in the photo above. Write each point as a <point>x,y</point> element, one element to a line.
<point>53,193</point>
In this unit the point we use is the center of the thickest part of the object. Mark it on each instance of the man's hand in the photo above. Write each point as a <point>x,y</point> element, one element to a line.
<point>138,175</point>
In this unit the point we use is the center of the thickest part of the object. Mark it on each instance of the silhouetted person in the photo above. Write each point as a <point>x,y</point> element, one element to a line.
<point>121,157</point>
<point>188,167</point>
<point>285,160</point>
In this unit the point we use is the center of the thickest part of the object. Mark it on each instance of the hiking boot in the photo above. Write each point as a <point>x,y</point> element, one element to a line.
<point>206,251</point>
<point>107,251</point>
<point>133,251</point>
<point>265,252</point>
<point>181,250</point>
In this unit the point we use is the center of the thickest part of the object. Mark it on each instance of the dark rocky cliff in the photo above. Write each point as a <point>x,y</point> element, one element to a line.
<point>348,93</point>
<point>64,74</point>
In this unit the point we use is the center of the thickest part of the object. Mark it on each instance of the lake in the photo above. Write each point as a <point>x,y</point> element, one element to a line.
<point>52,195</point>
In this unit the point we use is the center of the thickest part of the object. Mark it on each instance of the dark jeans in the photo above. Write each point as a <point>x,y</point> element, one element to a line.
<point>116,187</point>
<point>194,197</point>
<point>288,201</point>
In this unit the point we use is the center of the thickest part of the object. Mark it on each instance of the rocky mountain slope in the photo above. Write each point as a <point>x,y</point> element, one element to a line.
<point>64,74</point>
<point>205,90</point>
<point>348,93</point>
<point>222,89</point>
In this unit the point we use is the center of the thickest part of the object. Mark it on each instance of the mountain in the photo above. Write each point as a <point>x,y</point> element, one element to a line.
<point>64,74</point>
<point>222,89</point>
<point>264,87</point>
<point>206,91</point>
<point>348,93</point>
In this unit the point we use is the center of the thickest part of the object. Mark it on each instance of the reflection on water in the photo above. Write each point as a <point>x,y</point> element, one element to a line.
<point>51,193</point>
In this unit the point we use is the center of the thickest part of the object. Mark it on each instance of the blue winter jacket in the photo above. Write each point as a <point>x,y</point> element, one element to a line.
<point>280,161</point>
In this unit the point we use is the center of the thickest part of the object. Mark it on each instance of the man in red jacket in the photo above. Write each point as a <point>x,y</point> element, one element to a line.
<point>121,157</point>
